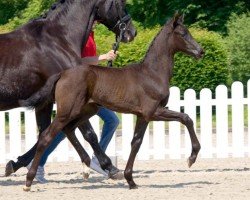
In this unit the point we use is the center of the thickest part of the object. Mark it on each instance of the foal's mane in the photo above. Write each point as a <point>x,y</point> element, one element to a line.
<point>153,41</point>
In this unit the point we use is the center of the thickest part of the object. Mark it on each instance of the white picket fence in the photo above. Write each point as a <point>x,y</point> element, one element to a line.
<point>228,137</point>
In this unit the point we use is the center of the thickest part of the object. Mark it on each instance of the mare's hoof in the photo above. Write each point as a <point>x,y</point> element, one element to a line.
<point>9,169</point>
<point>133,186</point>
<point>26,189</point>
<point>113,171</point>
<point>118,176</point>
<point>190,162</point>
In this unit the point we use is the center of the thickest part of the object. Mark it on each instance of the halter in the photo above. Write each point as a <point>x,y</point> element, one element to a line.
<point>122,27</point>
<point>121,22</point>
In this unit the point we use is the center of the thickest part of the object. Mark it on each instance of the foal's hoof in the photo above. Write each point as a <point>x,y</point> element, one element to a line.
<point>26,188</point>
<point>133,186</point>
<point>85,176</point>
<point>118,176</point>
<point>190,161</point>
<point>9,169</point>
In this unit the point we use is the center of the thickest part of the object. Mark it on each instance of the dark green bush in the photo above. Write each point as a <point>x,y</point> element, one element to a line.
<point>128,53</point>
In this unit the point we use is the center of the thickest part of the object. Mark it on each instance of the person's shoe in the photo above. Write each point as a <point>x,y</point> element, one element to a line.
<point>95,165</point>
<point>12,167</point>
<point>40,173</point>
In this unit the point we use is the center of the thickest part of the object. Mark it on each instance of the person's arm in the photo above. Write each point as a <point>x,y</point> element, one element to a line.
<point>95,60</point>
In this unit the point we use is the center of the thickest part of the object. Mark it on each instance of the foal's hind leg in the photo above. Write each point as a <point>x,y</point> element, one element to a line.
<point>140,128</point>
<point>163,114</point>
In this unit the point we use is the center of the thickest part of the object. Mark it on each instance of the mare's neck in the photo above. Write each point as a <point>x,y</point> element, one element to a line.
<point>75,18</point>
<point>160,56</point>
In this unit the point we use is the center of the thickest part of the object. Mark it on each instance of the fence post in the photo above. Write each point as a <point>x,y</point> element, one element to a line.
<point>190,109</point>
<point>2,138</point>
<point>159,140</point>
<point>222,121</point>
<point>15,133</point>
<point>127,134</point>
<point>237,120</point>
<point>143,153</point>
<point>248,97</point>
<point>206,123</point>
<point>30,129</point>
<point>174,127</point>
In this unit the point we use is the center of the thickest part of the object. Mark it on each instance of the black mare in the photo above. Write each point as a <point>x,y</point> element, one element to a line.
<point>48,45</point>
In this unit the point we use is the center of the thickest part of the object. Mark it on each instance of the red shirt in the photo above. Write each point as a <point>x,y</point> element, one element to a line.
<point>90,47</point>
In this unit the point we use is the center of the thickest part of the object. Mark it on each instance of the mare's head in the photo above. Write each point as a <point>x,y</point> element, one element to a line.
<point>182,40</point>
<point>113,14</point>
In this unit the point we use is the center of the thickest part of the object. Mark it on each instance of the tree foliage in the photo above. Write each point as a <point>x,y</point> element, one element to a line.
<point>238,44</point>
<point>11,8</point>
<point>210,14</point>
<point>33,9</point>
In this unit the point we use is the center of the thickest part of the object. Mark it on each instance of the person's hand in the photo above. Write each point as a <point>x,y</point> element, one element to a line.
<point>111,55</point>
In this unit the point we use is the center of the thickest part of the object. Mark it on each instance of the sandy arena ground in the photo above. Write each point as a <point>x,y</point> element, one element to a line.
<point>222,179</point>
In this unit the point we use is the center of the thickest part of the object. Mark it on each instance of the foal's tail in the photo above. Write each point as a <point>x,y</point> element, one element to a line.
<point>43,96</point>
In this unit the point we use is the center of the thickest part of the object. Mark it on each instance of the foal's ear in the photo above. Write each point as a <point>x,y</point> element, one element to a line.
<point>177,19</point>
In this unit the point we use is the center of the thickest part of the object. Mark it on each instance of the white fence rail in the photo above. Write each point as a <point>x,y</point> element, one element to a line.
<point>229,136</point>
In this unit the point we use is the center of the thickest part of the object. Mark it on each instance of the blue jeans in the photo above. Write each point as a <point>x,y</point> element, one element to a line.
<point>111,122</point>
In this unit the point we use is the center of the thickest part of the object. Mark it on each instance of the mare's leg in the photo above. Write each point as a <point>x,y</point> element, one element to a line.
<point>90,136</point>
<point>69,131</point>
<point>43,118</point>
<point>140,128</point>
<point>163,114</point>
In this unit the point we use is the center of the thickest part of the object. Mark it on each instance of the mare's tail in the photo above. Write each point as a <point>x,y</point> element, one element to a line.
<point>43,96</point>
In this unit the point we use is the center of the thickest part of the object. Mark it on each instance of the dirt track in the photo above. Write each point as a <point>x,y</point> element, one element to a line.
<point>158,180</point>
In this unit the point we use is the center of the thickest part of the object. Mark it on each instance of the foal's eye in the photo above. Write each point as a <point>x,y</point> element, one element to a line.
<point>183,34</point>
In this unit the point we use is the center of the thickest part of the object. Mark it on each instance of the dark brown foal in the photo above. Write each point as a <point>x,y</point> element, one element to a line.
<point>141,89</point>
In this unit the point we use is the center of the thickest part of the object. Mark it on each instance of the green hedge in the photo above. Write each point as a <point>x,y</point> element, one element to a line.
<point>209,72</point>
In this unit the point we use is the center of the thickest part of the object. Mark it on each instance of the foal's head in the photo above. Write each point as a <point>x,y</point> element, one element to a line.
<point>182,40</point>
<point>113,14</point>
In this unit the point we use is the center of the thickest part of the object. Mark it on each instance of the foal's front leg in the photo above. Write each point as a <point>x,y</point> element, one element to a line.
<point>163,114</point>
<point>43,142</point>
<point>140,128</point>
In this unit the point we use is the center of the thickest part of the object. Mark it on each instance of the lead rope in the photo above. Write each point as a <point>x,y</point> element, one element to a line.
<point>116,45</point>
